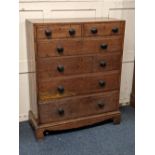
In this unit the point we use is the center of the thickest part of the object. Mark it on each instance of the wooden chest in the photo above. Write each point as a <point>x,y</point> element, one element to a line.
<point>75,69</point>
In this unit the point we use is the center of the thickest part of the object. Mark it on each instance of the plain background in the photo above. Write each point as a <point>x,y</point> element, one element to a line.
<point>145,77</point>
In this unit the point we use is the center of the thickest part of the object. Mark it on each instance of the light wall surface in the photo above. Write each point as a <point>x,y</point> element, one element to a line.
<point>122,9</point>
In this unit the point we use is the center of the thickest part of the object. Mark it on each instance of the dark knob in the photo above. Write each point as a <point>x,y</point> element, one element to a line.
<point>60,68</point>
<point>61,89</point>
<point>102,83</point>
<point>115,30</point>
<point>94,30</point>
<point>72,31</point>
<point>103,63</point>
<point>60,49</point>
<point>61,112</point>
<point>48,33</point>
<point>104,46</point>
<point>100,104</point>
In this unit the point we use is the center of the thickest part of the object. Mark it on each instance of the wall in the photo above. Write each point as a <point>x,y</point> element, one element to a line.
<point>123,9</point>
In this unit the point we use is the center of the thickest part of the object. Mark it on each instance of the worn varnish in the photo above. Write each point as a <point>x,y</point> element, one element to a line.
<point>76,69</point>
<point>82,46</point>
<point>59,31</point>
<point>64,109</point>
<point>79,85</point>
<point>57,67</point>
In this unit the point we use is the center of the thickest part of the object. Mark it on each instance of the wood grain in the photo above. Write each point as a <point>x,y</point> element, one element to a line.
<point>42,22</point>
<point>76,79</point>
<point>79,46</point>
<point>30,33</point>
<point>103,29</point>
<point>77,85</point>
<point>58,31</point>
<point>87,105</point>
<point>49,67</point>
<point>73,123</point>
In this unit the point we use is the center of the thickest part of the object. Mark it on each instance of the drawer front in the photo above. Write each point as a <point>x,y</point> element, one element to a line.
<point>59,31</point>
<point>79,46</point>
<point>77,85</point>
<point>75,107</point>
<point>103,29</point>
<point>54,67</point>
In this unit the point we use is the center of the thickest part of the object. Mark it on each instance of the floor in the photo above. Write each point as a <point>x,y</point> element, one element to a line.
<point>102,139</point>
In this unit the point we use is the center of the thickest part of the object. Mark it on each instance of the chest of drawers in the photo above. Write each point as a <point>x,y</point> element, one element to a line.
<point>75,69</point>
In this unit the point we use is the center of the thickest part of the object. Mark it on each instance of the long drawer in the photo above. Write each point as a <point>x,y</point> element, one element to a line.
<point>65,47</point>
<point>74,107</point>
<point>58,66</point>
<point>77,85</point>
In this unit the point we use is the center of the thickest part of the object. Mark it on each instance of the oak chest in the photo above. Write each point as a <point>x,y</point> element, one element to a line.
<point>75,69</point>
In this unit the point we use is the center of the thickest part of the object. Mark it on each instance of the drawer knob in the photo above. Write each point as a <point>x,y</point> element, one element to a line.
<point>102,83</point>
<point>94,30</point>
<point>103,63</point>
<point>61,112</point>
<point>48,33</point>
<point>72,31</point>
<point>115,30</point>
<point>60,68</point>
<point>60,50</point>
<point>104,46</point>
<point>100,104</point>
<point>61,89</point>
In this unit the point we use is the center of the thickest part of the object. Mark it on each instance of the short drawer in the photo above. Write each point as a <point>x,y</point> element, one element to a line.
<point>78,85</point>
<point>103,29</point>
<point>75,107</point>
<point>58,31</point>
<point>67,47</point>
<point>48,68</point>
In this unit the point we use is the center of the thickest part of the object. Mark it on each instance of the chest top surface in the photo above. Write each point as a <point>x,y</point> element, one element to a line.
<point>72,20</point>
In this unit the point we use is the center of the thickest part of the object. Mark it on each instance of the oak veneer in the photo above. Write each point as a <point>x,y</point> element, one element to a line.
<point>59,31</point>
<point>78,85</point>
<point>64,109</point>
<point>73,65</point>
<point>82,46</point>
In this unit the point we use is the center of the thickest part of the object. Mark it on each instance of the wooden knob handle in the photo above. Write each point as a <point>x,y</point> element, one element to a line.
<point>103,63</point>
<point>61,89</point>
<point>60,49</point>
<point>102,83</point>
<point>48,33</point>
<point>72,31</point>
<point>115,30</point>
<point>60,68</point>
<point>104,46</point>
<point>94,30</point>
<point>100,104</point>
<point>61,111</point>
